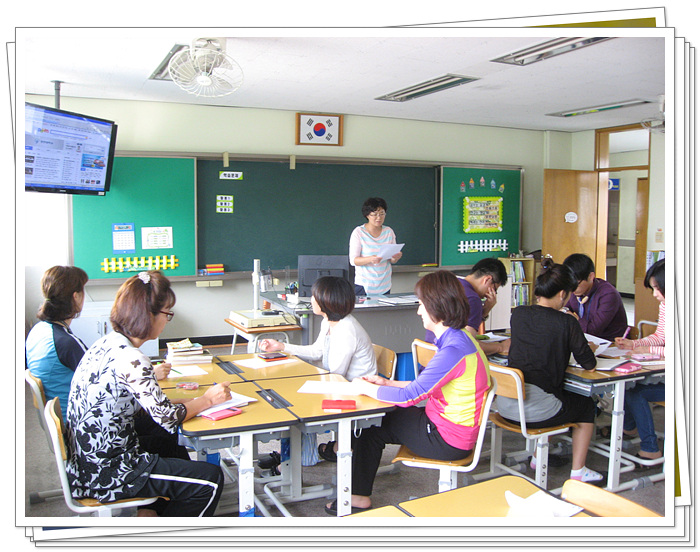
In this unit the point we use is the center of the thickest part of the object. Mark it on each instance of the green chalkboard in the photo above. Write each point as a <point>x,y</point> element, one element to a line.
<point>279,213</point>
<point>479,213</point>
<point>146,192</point>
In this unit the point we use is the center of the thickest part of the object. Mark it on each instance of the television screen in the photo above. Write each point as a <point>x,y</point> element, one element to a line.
<point>312,267</point>
<point>67,152</point>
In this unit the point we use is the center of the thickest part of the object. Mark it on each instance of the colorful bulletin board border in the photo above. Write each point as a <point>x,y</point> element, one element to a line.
<point>483,214</point>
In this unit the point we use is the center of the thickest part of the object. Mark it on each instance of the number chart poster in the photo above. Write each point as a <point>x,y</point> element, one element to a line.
<point>479,213</point>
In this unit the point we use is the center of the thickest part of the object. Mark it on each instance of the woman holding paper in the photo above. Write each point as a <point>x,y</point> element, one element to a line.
<point>372,272</point>
<point>114,384</point>
<point>454,384</point>
<point>638,417</point>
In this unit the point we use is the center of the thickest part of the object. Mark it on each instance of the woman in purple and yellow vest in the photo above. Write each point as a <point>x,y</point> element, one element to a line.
<point>454,382</point>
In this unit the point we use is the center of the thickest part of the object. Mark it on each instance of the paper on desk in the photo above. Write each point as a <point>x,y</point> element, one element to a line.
<point>539,505</point>
<point>235,401</point>
<point>603,344</point>
<point>492,337</point>
<point>256,363</point>
<point>388,250</point>
<point>329,387</point>
<point>186,370</point>
<point>614,352</point>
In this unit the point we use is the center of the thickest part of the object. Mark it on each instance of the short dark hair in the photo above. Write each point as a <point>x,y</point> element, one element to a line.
<point>335,296</point>
<point>138,301</point>
<point>493,267</point>
<point>371,204</point>
<point>443,298</point>
<point>553,279</point>
<point>581,265</point>
<point>58,284</point>
<point>657,271</point>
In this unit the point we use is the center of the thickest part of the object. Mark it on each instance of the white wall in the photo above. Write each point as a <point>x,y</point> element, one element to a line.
<point>162,127</point>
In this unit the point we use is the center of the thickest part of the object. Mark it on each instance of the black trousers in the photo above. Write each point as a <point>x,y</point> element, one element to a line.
<point>403,426</point>
<point>194,488</point>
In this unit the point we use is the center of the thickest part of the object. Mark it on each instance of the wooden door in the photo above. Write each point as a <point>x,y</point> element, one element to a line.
<point>575,215</point>
<point>645,306</point>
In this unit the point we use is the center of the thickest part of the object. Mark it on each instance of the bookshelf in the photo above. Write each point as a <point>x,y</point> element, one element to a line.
<point>521,273</point>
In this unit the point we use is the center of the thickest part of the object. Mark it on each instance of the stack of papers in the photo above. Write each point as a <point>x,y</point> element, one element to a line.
<point>403,300</point>
<point>186,352</point>
<point>236,401</point>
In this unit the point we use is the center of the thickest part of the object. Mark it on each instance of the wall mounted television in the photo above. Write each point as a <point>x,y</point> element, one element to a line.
<point>67,153</point>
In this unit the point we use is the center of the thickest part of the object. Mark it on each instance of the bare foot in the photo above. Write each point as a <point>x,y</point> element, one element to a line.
<point>145,512</point>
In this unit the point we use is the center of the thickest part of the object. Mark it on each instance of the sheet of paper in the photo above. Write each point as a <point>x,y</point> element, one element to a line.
<point>329,388</point>
<point>256,363</point>
<point>388,250</point>
<point>235,401</point>
<point>492,337</point>
<point>540,504</point>
<point>614,352</point>
<point>186,370</point>
<point>603,344</point>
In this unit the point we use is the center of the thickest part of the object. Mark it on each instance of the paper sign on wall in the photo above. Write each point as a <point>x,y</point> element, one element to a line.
<point>123,238</point>
<point>157,237</point>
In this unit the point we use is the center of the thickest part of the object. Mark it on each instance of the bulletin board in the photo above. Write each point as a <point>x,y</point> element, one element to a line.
<point>480,210</point>
<point>145,220</point>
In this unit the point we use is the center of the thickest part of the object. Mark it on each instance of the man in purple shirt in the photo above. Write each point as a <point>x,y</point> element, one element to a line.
<point>596,304</point>
<point>480,287</point>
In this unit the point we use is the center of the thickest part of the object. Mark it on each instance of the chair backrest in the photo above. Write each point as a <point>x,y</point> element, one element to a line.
<point>511,384</point>
<point>601,502</point>
<point>422,353</point>
<point>54,422</point>
<point>386,361</point>
<point>39,398</point>
<point>645,331</point>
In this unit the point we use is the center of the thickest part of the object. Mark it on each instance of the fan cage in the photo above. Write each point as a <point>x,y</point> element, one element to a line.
<point>205,72</point>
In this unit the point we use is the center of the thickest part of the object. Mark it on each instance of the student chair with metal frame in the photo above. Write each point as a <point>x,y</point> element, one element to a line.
<point>54,422</point>
<point>450,469</point>
<point>511,384</point>
<point>386,361</point>
<point>422,353</point>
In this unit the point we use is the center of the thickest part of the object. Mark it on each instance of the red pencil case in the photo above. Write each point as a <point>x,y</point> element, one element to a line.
<point>339,404</point>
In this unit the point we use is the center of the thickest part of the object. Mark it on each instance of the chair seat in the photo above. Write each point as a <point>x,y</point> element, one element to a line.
<point>405,455</point>
<point>94,503</point>
<point>500,421</point>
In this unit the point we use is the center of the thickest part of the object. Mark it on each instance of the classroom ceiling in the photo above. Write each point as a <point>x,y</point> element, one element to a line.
<point>346,74</point>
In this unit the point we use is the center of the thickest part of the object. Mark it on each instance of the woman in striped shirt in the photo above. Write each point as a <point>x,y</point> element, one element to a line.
<point>638,417</point>
<point>372,273</point>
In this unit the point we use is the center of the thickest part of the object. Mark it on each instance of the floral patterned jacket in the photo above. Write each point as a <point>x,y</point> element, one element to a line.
<point>113,383</point>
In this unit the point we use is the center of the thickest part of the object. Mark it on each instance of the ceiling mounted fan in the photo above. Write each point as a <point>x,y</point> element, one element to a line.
<point>657,123</point>
<point>205,69</point>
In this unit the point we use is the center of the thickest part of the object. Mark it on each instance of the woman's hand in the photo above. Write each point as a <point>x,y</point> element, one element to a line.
<point>218,393</point>
<point>271,345</point>
<point>365,387</point>
<point>377,380</point>
<point>162,370</point>
<point>396,257</point>
<point>622,343</point>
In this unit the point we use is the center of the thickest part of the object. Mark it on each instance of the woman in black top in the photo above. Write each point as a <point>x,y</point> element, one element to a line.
<point>542,341</point>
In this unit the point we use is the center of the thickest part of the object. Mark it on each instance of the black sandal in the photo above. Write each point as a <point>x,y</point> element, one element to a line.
<point>326,451</point>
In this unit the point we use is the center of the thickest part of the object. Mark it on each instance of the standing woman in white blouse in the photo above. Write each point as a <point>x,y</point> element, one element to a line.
<point>372,273</point>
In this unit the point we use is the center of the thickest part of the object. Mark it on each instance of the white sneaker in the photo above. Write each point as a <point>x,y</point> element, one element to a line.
<point>586,475</point>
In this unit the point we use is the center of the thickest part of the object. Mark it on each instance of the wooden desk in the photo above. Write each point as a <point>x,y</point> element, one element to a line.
<point>484,499</point>
<point>258,418</point>
<point>214,374</point>
<point>272,370</point>
<point>587,382</point>
<point>313,419</point>
<point>252,335</point>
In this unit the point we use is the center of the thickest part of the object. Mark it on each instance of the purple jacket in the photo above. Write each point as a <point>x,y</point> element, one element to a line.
<point>603,315</point>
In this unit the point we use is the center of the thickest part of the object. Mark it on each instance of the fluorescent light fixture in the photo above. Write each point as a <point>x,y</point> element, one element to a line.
<point>598,108</point>
<point>428,87</point>
<point>548,49</point>
<point>161,72</point>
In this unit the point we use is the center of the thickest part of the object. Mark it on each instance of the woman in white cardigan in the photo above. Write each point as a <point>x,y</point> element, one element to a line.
<point>342,346</point>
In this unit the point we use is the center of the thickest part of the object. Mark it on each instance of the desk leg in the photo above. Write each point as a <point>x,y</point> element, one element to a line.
<point>246,473</point>
<point>344,467</point>
<point>618,415</point>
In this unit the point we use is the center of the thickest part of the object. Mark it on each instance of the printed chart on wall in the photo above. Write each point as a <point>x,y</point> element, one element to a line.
<point>479,213</point>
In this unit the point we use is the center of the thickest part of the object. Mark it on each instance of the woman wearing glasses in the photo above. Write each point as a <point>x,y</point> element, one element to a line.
<point>372,273</point>
<point>114,385</point>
